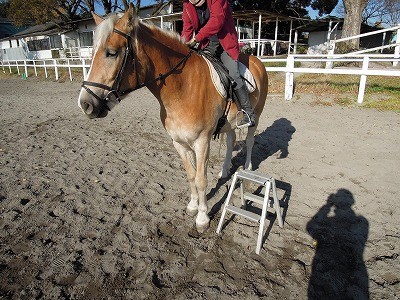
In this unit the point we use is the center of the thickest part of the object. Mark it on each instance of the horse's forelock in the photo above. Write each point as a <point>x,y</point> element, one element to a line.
<point>103,31</point>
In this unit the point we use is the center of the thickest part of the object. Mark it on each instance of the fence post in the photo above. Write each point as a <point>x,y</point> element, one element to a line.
<point>363,80</point>
<point>69,69</point>
<point>331,52</point>
<point>34,67</point>
<point>17,66</point>
<point>397,48</point>
<point>289,82</point>
<point>9,66</point>
<point>84,69</point>
<point>45,69</point>
<point>55,68</point>
<point>26,69</point>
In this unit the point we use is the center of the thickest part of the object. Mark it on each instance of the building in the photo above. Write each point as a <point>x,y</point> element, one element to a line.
<point>75,39</point>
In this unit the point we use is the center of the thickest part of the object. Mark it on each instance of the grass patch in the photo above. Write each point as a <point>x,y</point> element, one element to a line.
<point>382,93</point>
<point>280,64</point>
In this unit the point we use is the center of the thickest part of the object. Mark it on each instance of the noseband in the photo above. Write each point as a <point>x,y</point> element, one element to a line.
<point>114,90</point>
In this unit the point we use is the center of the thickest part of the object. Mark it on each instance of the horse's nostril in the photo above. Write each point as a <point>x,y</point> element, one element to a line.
<point>87,108</point>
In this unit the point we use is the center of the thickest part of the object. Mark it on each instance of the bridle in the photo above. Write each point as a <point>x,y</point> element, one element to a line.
<point>114,90</point>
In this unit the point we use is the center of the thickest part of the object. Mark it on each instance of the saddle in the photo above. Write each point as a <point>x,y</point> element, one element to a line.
<point>225,84</point>
<point>221,79</point>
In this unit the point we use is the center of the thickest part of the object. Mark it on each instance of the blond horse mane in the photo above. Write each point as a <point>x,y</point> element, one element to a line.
<point>105,28</point>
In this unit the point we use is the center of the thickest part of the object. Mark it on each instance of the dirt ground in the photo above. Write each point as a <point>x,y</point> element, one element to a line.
<point>95,209</point>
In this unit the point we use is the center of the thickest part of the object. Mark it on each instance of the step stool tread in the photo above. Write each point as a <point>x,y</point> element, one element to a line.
<point>254,198</point>
<point>247,214</point>
<point>254,176</point>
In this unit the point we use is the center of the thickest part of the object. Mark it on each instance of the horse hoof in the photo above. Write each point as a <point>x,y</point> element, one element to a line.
<point>202,228</point>
<point>191,212</point>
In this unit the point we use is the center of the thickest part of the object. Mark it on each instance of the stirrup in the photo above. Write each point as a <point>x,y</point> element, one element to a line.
<point>243,125</point>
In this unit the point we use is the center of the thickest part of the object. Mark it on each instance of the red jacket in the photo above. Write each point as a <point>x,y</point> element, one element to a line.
<point>220,23</point>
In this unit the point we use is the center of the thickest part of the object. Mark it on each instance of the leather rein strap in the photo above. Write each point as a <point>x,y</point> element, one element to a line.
<point>115,88</point>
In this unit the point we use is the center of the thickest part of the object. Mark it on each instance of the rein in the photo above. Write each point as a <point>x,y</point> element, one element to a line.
<point>114,90</point>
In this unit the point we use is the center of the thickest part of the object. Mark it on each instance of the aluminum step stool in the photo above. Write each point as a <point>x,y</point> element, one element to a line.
<point>269,184</point>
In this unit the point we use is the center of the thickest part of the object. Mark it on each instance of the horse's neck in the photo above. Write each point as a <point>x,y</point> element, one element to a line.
<point>158,54</point>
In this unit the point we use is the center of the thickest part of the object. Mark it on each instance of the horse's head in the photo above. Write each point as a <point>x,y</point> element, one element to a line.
<point>112,73</point>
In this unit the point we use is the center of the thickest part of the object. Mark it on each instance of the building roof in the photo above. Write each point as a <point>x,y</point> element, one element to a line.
<point>7,28</point>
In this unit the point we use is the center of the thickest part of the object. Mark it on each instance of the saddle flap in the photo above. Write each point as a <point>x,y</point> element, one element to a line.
<point>217,81</point>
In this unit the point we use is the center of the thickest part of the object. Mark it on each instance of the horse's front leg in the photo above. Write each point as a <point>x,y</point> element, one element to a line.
<point>202,150</point>
<point>188,158</point>
<point>230,143</point>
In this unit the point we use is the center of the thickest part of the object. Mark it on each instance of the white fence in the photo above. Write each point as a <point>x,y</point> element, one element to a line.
<point>366,69</point>
<point>22,66</point>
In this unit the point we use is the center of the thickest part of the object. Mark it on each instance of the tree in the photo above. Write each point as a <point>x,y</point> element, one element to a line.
<point>352,20</point>
<point>23,12</point>
<point>287,7</point>
<point>392,12</point>
<point>382,11</point>
<point>4,6</point>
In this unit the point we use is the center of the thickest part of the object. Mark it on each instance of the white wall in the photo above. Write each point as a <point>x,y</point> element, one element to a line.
<point>320,37</point>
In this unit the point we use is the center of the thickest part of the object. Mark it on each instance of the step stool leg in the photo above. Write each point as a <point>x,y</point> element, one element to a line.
<point>231,189</point>
<point>263,216</point>
<point>276,204</point>
<point>242,192</point>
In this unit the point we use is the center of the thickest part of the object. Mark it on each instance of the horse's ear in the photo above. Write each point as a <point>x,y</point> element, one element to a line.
<point>97,18</point>
<point>129,19</point>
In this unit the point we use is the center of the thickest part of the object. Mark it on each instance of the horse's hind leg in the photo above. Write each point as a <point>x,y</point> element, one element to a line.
<point>249,147</point>
<point>188,158</point>
<point>230,142</point>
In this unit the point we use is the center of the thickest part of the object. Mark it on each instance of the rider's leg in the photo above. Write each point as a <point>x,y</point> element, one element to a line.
<point>240,90</point>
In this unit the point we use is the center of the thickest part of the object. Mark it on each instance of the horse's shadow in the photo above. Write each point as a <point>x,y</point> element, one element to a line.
<point>273,140</point>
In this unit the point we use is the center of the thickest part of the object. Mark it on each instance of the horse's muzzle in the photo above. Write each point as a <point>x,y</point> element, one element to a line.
<point>93,108</point>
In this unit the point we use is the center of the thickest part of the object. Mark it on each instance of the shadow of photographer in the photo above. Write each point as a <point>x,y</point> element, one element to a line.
<point>338,268</point>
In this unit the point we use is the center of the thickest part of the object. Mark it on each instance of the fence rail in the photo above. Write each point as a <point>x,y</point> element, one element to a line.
<point>289,69</point>
<point>395,44</point>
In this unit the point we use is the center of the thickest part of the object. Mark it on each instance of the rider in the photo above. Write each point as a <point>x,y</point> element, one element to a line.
<point>208,24</point>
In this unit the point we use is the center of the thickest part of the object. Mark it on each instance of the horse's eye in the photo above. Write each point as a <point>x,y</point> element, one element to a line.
<point>111,52</point>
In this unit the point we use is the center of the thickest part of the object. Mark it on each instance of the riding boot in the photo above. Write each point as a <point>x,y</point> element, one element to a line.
<point>249,117</point>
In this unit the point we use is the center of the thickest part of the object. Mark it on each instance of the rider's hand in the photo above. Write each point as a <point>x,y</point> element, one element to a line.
<point>193,44</point>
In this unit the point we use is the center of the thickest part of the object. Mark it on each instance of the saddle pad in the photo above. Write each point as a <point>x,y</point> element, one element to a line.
<point>244,71</point>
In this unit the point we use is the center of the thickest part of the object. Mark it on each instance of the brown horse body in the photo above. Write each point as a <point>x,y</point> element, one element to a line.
<point>190,106</point>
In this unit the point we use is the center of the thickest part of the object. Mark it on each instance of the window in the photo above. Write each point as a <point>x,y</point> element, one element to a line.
<point>55,42</point>
<point>86,39</point>
<point>71,42</point>
<point>38,45</point>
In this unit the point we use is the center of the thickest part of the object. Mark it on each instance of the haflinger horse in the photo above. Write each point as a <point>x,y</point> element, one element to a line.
<point>129,54</point>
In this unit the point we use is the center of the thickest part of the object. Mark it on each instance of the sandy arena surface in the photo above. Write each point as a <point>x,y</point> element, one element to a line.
<point>95,209</point>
